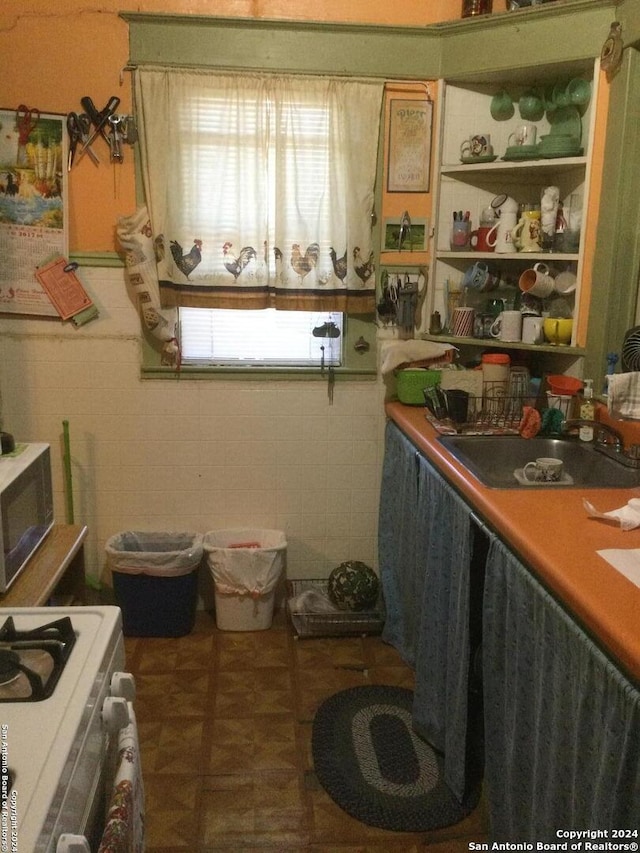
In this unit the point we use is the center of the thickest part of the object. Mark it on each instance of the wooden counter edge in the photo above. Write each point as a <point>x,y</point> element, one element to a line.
<point>60,554</point>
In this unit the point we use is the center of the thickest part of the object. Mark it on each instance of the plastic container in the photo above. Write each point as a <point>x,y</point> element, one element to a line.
<point>246,566</point>
<point>155,581</point>
<point>496,371</point>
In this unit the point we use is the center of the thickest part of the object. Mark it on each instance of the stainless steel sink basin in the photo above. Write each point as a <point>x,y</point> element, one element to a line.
<point>493,459</point>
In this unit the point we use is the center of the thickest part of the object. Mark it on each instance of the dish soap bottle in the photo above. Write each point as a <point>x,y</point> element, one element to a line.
<point>587,411</point>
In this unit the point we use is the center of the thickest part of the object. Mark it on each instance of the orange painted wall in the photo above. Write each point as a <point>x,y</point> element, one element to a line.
<point>52,57</point>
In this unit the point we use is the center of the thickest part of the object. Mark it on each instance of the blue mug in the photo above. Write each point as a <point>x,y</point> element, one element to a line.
<point>477,276</point>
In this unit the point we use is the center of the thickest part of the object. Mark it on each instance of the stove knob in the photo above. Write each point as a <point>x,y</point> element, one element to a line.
<point>115,713</point>
<point>68,843</point>
<point>123,684</point>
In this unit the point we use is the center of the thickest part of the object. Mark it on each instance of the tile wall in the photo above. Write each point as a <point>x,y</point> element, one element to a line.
<point>192,454</point>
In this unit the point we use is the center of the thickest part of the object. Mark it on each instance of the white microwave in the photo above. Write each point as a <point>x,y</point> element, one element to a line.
<point>26,507</point>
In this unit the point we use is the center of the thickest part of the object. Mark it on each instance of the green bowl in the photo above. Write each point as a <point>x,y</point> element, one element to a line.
<point>411,382</point>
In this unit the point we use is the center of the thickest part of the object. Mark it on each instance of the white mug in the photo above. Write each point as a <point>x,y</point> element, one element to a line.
<point>532,331</point>
<point>499,238</point>
<point>507,326</point>
<point>546,469</point>
<point>537,281</point>
<point>523,135</point>
<point>478,145</point>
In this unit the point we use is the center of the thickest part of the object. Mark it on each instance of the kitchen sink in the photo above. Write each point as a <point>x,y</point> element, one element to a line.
<point>494,459</point>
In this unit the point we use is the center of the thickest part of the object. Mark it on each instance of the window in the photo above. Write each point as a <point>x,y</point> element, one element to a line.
<point>227,167</point>
<point>266,337</point>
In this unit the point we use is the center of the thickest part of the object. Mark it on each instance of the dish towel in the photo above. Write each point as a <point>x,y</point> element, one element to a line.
<point>124,832</point>
<point>397,353</point>
<point>623,391</point>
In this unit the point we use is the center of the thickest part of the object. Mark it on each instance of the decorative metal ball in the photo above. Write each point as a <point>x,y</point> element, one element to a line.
<point>353,586</point>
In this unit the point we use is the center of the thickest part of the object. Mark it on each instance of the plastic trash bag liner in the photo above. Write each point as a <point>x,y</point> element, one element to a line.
<point>245,561</point>
<point>166,554</point>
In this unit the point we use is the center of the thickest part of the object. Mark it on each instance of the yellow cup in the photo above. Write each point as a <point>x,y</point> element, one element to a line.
<point>558,330</point>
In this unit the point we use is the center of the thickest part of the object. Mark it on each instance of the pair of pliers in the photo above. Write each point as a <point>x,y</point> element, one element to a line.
<point>78,127</point>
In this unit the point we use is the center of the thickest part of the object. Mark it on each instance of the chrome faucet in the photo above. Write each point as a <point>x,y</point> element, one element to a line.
<point>604,434</point>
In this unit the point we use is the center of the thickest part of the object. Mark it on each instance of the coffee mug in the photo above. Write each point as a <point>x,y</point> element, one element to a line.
<point>527,234</point>
<point>566,282</point>
<point>476,276</point>
<point>523,135</point>
<point>537,281</point>
<point>481,277</point>
<point>478,145</point>
<point>546,469</point>
<point>463,319</point>
<point>532,331</point>
<point>482,325</point>
<point>507,326</point>
<point>499,237</point>
<point>558,330</point>
<point>478,239</point>
<point>460,233</point>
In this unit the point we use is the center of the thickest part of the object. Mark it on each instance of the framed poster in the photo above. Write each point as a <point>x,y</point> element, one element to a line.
<point>409,162</point>
<point>415,240</point>
<point>33,206</point>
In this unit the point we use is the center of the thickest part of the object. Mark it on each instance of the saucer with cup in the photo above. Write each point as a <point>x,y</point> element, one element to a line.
<point>545,469</point>
<point>477,149</point>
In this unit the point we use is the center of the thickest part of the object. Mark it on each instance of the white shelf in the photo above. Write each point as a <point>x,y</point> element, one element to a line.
<point>547,257</point>
<point>540,165</point>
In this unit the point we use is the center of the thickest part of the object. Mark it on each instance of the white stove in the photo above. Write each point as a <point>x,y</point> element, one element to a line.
<point>58,751</point>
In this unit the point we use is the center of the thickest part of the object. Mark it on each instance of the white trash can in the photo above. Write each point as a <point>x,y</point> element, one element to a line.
<point>246,566</point>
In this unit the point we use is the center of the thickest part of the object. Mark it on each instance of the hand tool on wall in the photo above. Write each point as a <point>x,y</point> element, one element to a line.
<point>99,120</point>
<point>78,127</point>
<point>116,136</point>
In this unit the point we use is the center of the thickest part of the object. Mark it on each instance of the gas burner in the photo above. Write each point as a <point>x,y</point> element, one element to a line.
<point>31,661</point>
<point>9,666</point>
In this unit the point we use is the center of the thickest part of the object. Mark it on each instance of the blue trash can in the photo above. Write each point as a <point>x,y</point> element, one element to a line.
<point>155,581</point>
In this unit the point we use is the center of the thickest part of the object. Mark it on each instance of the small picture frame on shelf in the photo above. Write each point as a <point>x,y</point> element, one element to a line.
<point>414,241</point>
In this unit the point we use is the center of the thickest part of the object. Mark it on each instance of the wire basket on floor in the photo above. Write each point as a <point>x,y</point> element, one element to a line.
<point>335,624</point>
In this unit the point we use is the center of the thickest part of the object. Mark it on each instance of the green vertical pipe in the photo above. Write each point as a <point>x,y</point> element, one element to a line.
<point>67,473</point>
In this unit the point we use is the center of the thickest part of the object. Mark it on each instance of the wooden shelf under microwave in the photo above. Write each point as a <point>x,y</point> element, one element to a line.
<point>55,570</point>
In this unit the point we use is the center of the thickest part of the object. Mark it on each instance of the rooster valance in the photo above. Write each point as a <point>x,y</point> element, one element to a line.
<point>260,188</point>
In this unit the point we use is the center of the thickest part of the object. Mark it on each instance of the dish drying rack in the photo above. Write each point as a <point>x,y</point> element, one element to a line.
<point>492,414</point>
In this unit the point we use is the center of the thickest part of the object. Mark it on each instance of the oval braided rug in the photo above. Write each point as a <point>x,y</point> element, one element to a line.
<point>370,762</point>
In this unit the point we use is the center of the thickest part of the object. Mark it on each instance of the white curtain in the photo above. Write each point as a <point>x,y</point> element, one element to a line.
<point>260,188</point>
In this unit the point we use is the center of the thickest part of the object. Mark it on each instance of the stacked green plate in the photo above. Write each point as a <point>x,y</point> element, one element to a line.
<point>521,152</point>
<point>560,145</point>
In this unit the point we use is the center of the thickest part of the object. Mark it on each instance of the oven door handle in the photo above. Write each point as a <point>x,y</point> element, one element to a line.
<point>69,843</point>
